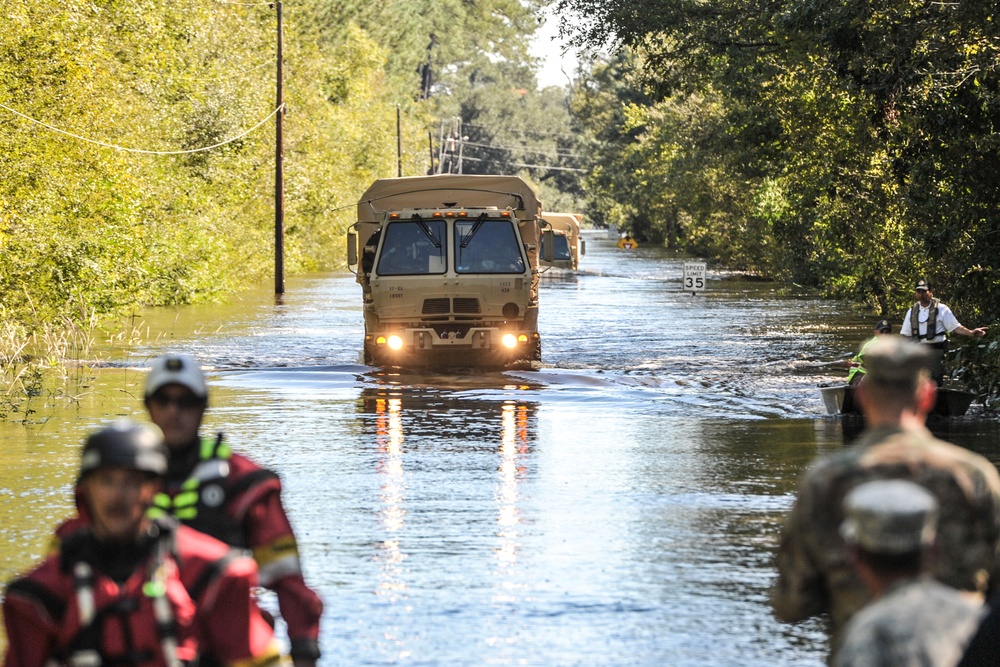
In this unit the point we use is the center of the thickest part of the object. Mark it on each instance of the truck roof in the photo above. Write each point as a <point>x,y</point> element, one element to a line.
<point>565,221</point>
<point>448,191</point>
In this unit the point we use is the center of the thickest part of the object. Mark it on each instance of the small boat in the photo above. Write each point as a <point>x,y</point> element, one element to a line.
<point>839,400</point>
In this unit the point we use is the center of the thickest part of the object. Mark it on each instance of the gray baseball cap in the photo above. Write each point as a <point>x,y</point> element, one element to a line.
<point>890,516</point>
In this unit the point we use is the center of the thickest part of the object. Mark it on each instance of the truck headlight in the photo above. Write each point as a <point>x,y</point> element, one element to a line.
<point>395,342</point>
<point>509,340</point>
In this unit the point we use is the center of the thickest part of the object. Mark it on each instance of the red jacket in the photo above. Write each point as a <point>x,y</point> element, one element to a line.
<point>239,503</point>
<point>208,586</point>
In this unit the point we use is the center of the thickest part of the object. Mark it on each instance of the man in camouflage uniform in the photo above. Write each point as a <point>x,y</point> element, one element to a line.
<point>890,531</point>
<point>814,573</point>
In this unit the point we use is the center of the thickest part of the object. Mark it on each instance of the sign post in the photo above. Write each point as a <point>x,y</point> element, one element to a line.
<point>694,277</point>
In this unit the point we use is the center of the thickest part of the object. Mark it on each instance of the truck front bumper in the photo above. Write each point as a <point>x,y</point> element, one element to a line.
<point>477,346</point>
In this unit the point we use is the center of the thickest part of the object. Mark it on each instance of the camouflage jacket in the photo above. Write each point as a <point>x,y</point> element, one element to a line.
<point>814,574</point>
<point>918,622</point>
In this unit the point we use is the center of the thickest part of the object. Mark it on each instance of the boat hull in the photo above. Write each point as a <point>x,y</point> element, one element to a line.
<point>839,400</point>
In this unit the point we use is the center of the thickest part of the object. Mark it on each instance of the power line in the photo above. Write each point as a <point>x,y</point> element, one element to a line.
<point>142,150</point>
<point>526,150</point>
<point>530,166</point>
<point>534,133</point>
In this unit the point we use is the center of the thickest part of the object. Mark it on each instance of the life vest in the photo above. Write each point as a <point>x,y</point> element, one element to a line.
<point>932,311</point>
<point>858,361</point>
<point>134,623</point>
<point>201,500</point>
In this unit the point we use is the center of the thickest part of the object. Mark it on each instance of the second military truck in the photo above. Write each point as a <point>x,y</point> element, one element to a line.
<point>448,267</point>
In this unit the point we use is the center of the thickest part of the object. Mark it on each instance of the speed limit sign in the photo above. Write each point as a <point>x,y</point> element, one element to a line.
<point>694,276</point>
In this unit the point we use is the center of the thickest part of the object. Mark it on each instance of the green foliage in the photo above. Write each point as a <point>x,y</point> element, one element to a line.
<point>848,145</point>
<point>88,228</point>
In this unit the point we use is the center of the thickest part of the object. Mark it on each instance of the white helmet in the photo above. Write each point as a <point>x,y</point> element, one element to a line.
<point>176,369</point>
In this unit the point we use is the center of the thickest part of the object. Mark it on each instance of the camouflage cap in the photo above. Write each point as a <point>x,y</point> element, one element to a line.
<point>921,285</point>
<point>890,516</point>
<point>895,360</point>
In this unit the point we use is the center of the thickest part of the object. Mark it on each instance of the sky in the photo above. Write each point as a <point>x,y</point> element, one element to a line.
<point>547,45</point>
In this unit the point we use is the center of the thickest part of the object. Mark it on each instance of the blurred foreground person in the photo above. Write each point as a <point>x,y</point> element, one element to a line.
<point>889,530</point>
<point>124,589</point>
<point>228,496</point>
<point>815,576</point>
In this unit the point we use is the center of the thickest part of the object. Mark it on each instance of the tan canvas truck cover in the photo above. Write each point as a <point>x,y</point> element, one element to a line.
<point>448,191</point>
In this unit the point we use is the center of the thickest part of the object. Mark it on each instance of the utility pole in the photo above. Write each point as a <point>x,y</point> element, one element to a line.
<point>399,141</point>
<point>461,144</point>
<point>451,147</point>
<point>279,173</point>
<point>430,148</point>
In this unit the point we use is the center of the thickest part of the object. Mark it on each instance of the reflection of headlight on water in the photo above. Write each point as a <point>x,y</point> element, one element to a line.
<point>509,340</point>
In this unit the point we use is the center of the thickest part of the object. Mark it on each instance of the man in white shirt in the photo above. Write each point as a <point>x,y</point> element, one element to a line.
<point>929,322</point>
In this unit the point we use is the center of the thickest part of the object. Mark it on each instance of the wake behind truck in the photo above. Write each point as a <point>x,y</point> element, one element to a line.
<point>448,267</point>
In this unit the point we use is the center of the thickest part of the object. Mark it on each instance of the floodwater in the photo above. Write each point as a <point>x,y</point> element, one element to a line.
<point>619,506</point>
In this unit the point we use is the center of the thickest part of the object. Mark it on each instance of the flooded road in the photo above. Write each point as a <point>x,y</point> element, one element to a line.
<point>619,506</point>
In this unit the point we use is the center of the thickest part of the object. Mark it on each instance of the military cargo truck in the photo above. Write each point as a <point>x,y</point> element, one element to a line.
<point>567,245</point>
<point>448,268</point>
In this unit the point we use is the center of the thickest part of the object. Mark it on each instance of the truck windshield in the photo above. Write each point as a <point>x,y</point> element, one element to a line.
<point>412,247</point>
<point>487,246</point>
<point>560,247</point>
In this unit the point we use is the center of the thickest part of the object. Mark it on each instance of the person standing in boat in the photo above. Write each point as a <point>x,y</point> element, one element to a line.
<point>857,363</point>
<point>226,495</point>
<point>815,576</point>
<point>929,322</point>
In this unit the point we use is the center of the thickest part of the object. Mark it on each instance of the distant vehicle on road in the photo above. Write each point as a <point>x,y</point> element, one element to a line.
<point>567,244</point>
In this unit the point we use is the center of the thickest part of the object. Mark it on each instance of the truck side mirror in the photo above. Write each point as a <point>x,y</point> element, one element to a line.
<point>352,248</point>
<point>548,245</point>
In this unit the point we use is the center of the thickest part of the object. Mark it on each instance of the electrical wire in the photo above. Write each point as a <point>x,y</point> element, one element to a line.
<point>142,150</point>
<point>526,150</point>
<point>534,133</point>
<point>521,164</point>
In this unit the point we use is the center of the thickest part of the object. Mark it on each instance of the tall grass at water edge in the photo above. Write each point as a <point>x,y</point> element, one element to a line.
<point>53,363</point>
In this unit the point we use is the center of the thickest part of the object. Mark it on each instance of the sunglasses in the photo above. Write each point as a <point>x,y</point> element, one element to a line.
<point>189,402</point>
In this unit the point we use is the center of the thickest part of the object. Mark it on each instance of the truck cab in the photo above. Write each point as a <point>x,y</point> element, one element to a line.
<point>448,267</point>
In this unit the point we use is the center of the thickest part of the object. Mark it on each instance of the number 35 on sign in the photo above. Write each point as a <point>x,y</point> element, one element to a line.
<point>694,276</point>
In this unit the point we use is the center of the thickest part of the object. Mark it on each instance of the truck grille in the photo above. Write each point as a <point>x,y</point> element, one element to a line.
<point>436,306</point>
<point>443,306</point>
<point>466,305</point>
